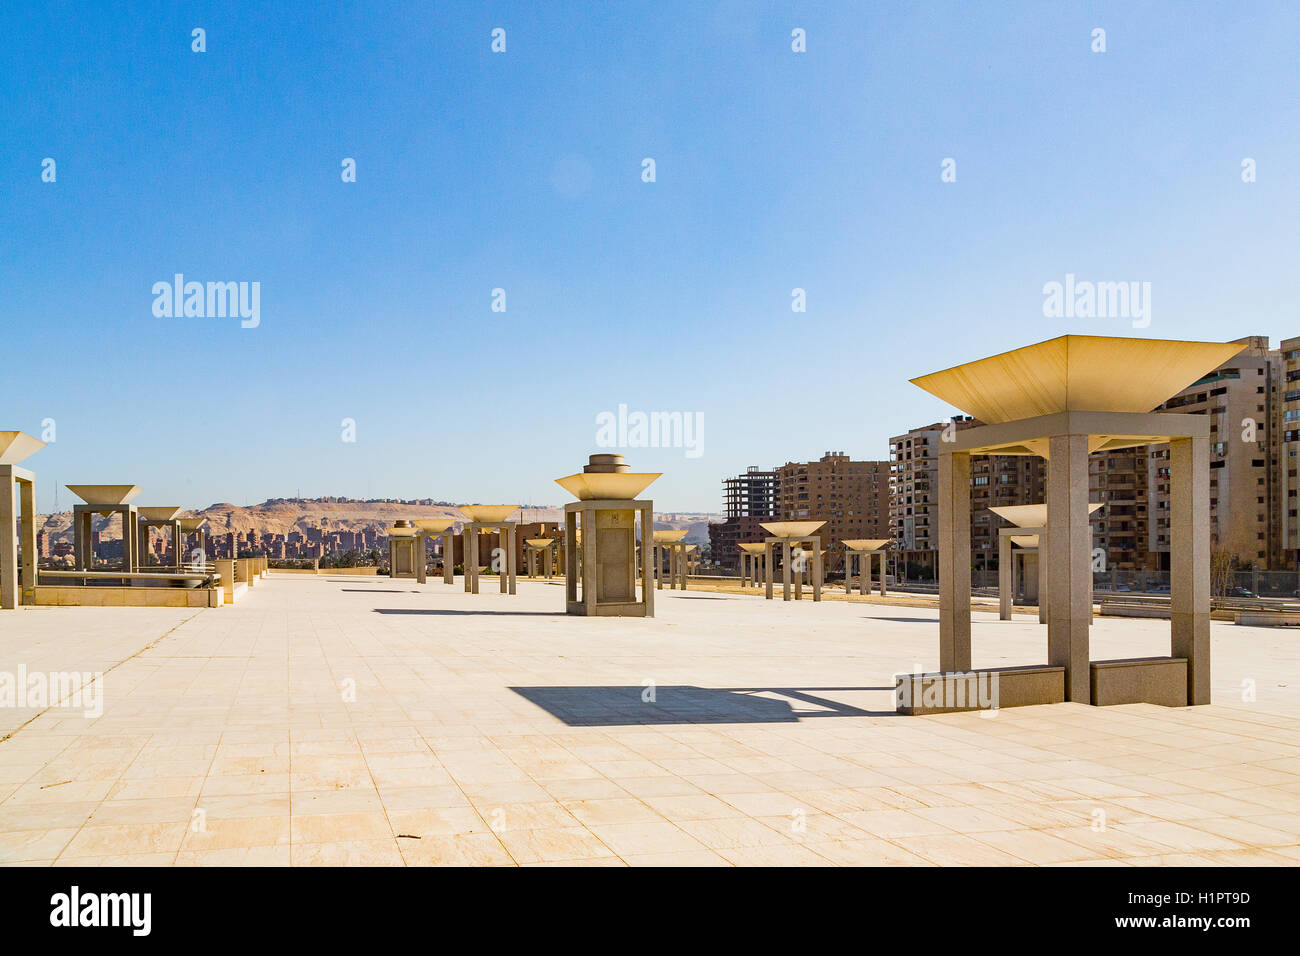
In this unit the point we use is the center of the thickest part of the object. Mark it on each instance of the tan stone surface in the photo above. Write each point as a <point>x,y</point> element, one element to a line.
<point>770,740</point>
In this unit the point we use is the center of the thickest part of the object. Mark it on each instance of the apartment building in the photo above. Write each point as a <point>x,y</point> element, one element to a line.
<point>913,501</point>
<point>1288,436</point>
<point>1244,400</point>
<point>1120,480</point>
<point>747,500</point>
<point>852,497</point>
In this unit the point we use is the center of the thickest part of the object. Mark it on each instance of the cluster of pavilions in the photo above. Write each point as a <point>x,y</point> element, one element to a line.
<point>1060,400</point>
<point>603,554</point>
<point>801,559</point>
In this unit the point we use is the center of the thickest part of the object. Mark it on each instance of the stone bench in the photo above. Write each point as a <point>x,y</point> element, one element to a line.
<point>987,689</point>
<point>1140,680</point>
<point>1262,617</point>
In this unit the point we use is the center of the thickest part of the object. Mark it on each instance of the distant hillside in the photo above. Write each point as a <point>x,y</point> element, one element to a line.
<point>282,515</point>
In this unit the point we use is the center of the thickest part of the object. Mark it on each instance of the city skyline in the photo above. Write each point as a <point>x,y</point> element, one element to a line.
<point>523,171</point>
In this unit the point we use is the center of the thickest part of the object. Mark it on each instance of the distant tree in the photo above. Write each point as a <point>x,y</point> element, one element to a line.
<point>1221,561</point>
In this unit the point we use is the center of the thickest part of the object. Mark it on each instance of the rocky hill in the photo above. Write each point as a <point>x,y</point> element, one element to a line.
<point>282,515</point>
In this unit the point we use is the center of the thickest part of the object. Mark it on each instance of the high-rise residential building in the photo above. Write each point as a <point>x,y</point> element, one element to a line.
<point>1119,480</point>
<point>752,494</point>
<point>852,497</point>
<point>913,502</point>
<point>1288,434</point>
<point>747,500</point>
<point>1244,399</point>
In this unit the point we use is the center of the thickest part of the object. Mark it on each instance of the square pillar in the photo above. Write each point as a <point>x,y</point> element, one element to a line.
<point>27,503</point>
<point>512,557</point>
<point>571,557</point>
<point>8,544</point>
<point>589,533</point>
<point>471,559</point>
<point>785,570</point>
<point>954,561</point>
<point>647,539</point>
<point>1004,577</point>
<point>1068,560</point>
<point>817,570</point>
<point>767,569</point>
<point>1189,561</point>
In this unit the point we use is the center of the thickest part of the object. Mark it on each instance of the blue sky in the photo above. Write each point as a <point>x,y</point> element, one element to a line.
<point>522,171</point>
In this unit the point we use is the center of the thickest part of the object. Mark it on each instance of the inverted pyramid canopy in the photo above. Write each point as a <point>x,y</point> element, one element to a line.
<point>434,525</point>
<point>866,544</point>
<point>671,535</point>
<point>791,529</point>
<point>16,446</point>
<point>489,513</point>
<point>162,513</point>
<point>192,524</point>
<point>603,486</point>
<point>1095,373</point>
<point>1030,516</point>
<point>104,494</point>
<point>540,542</point>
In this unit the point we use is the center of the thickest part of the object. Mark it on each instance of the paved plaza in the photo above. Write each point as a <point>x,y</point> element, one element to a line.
<point>347,720</point>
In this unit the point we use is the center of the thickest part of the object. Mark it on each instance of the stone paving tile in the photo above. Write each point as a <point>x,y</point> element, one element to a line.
<point>494,739</point>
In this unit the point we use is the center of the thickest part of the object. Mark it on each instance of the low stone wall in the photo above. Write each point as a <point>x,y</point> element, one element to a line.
<point>1140,680</point>
<point>364,572</point>
<point>1114,609</point>
<point>1266,618</point>
<point>76,596</point>
<point>989,689</point>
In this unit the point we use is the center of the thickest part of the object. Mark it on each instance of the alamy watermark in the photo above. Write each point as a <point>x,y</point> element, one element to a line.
<point>212,300</point>
<point>38,690</point>
<point>624,429</point>
<point>957,690</point>
<point>1098,300</point>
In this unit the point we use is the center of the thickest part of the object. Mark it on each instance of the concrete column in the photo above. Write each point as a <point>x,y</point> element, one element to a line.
<point>421,558</point>
<point>884,572</point>
<point>504,572</point>
<point>954,561</point>
<point>785,570</point>
<point>471,559</point>
<point>589,561</point>
<point>1041,566</point>
<point>817,571</point>
<point>130,539</point>
<point>571,556</point>
<point>27,502</point>
<point>647,534</point>
<point>448,557</point>
<point>1068,558</point>
<point>512,557</point>
<point>768,572</point>
<point>1189,561</point>
<point>78,533</point>
<point>1004,577</point>
<point>1017,558</point>
<point>8,544</point>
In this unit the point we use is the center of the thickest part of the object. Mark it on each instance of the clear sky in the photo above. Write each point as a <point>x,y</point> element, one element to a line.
<point>522,171</point>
